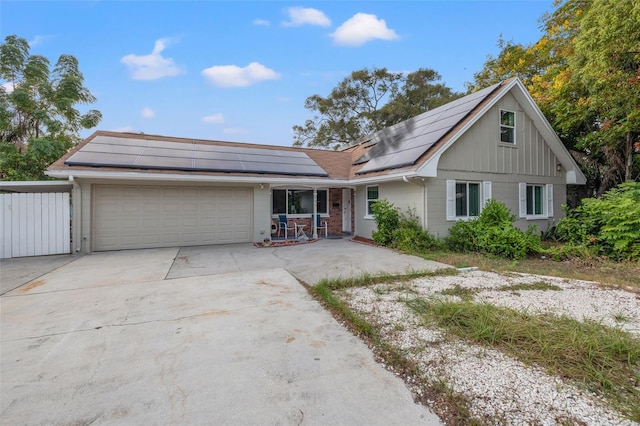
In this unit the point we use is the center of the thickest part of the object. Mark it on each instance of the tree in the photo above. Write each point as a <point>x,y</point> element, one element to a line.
<point>421,92</point>
<point>39,120</point>
<point>578,92</point>
<point>367,101</point>
<point>607,63</point>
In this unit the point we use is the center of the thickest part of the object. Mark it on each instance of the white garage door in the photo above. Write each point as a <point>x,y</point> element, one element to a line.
<point>127,217</point>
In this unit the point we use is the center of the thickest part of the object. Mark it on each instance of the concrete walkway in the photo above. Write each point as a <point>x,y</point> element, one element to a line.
<point>111,338</point>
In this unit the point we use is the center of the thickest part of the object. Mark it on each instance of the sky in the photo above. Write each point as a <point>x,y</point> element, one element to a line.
<point>241,70</point>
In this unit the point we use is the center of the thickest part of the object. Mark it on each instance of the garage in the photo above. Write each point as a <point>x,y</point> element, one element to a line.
<point>132,217</point>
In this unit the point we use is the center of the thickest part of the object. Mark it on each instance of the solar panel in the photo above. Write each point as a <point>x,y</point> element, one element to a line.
<point>109,151</point>
<point>404,143</point>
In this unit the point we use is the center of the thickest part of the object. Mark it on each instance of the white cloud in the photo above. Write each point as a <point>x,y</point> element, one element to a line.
<point>37,40</point>
<point>235,131</point>
<point>235,76</point>
<point>215,119</point>
<point>306,16</point>
<point>8,87</point>
<point>125,129</point>
<point>147,112</point>
<point>361,28</point>
<point>261,22</point>
<point>152,66</point>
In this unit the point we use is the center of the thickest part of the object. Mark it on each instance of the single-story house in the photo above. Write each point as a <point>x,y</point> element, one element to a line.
<point>145,191</point>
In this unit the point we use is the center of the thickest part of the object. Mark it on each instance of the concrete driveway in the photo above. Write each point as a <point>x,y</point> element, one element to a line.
<point>142,337</point>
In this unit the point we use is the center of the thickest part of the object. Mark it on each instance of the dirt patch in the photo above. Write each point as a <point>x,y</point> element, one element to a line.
<point>30,286</point>
<point>285,243</point>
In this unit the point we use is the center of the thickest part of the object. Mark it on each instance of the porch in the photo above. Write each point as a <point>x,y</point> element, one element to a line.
<point>299,205</point>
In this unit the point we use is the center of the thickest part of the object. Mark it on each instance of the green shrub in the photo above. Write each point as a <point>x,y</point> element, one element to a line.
<point>387,219</point>
<point>463,236</point>
<point>401,231</point>
<point>609,225</point>
<point>493,233</point>
<point>410,237</point>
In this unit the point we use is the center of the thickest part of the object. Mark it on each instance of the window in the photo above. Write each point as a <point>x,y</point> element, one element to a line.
<point>507,126</point>
<point>372,197</point>
<point>536,201</point>
<point>299,201</point>
<point>467,199</point>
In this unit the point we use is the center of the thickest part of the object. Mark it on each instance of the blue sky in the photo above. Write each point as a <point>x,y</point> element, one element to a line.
<point>241,70</point>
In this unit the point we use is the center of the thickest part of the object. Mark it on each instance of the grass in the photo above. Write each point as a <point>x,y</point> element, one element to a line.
<point>461,292</point>
<point>538,285</point>
<point>436,395</point>
<point>603,271</point>
<point>604,359</point>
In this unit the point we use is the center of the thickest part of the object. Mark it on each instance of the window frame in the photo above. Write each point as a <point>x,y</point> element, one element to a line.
<point>288,203</point>
<point>369,201</point>
<point>512,128</point>
<point>479,206</point>
<point>546,200</point>
<point>535,198</point>
<point>484,195</point>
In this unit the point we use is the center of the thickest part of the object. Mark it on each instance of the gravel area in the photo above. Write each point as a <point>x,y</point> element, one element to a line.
<point>496,386</point>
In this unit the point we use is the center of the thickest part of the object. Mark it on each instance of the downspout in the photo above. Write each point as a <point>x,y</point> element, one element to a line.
<point>76,202</point>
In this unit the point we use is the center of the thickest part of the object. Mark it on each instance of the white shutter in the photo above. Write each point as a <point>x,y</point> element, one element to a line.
<point>486,192</point>
<point>549,200</point>
<point>451,200</point>
<point>523,199</point>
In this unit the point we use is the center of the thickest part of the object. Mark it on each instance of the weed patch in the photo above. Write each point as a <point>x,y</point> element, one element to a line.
<point>605,360</point>
<point>538,285</point>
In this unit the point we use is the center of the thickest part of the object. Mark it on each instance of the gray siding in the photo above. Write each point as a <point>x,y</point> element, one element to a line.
<point>479,149</point>
<point>480,156</point>
<point>404,195</point>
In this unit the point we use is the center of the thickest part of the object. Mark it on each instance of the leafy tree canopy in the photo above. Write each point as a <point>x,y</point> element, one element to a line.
<point>366,101</point>
<point>39,119</point>
<point>584,73</point>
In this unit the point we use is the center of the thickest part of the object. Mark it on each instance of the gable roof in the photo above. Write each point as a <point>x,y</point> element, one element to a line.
<point>404,143</point>
<point>413,147</point>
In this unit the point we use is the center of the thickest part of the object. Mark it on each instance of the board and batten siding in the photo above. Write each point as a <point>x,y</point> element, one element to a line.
<point>479,149</point>
<point>479,156</point>
<point>404,195</point>
<point>34,224</point>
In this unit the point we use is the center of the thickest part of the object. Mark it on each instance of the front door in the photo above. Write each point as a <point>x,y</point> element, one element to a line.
<point>346,210</point>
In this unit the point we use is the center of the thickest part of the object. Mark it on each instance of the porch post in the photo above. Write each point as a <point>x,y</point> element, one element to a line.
<point>314,225</point>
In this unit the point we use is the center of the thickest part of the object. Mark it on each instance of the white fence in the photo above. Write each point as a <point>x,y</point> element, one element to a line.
<point>34,224</point>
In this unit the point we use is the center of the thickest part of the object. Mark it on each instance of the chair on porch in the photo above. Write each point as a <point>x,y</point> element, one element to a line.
<point>286,226</point>
<point>320,224</point>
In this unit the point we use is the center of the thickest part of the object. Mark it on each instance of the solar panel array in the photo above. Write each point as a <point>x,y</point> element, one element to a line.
<point>122,152</point>
<point>404,143</point>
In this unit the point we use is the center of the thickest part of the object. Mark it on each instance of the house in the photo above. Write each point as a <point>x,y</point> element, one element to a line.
<point>142,191</point>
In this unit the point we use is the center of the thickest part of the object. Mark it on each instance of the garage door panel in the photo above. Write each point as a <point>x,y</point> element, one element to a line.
<point>146,217</point>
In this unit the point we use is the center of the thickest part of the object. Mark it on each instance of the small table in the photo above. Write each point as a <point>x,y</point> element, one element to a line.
<point>300,234</point>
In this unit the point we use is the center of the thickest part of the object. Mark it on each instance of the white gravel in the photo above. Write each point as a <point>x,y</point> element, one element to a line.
<point>499,387</point>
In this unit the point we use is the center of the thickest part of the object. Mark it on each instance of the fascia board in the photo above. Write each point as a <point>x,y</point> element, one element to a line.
<point>89,174</point>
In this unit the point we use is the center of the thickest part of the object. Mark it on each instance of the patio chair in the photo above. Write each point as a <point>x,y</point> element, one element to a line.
<point>320,224</point>
<point>286,226</point>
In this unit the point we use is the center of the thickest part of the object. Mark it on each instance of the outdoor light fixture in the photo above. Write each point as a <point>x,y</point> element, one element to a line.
<point>558,167</point>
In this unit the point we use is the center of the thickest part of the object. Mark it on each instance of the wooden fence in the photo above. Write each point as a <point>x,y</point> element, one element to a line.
<point>34,224</point>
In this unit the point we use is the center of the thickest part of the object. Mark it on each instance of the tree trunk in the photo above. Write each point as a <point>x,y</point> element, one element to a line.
<point>628,169</point>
